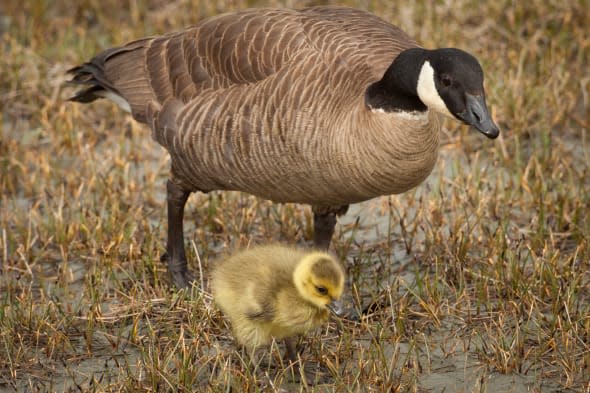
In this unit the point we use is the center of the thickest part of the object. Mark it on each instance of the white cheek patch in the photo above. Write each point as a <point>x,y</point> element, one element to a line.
<point>427,91</point>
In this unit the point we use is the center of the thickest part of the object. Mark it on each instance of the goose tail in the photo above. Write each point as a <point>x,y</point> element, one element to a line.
<point>94,84</point>
<point>101,78</point>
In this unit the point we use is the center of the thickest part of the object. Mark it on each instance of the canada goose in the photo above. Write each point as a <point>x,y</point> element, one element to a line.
<point>325,105</point>
<point>276,291</point>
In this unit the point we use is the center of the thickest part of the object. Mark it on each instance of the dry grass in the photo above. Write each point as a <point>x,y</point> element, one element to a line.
<point>479,280</point>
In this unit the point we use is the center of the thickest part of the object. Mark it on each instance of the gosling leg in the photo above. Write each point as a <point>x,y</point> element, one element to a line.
<point>300,372</point>
<point>291,350</point>
<point>291,357</point>
<point>176,197</point>
<point>324,222</point>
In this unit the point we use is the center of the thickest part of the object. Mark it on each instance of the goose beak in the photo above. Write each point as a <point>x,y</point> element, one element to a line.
<point>336,307</point>
<point>476,114</point>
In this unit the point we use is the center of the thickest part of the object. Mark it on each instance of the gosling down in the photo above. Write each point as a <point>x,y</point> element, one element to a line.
<point>276,291</point>
<point>325,106</point>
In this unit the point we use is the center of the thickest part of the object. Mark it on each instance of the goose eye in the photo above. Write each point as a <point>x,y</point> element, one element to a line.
<point>446,80</point>
<point>322,290</point>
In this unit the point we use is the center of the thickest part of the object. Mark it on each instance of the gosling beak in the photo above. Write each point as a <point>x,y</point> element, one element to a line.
<point>336,307</point>
<point>476,114</point>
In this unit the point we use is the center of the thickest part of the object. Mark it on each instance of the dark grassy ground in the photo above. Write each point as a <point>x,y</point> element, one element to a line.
<point>481,275</point>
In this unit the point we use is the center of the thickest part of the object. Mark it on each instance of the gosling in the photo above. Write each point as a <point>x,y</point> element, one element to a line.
<point>277,291</point>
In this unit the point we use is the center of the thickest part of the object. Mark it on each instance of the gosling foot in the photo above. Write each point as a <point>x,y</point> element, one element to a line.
<point>298,371</point>
<point>305,374</point>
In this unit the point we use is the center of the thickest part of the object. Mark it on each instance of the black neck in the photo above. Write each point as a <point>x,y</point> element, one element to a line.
<point>396,91</point>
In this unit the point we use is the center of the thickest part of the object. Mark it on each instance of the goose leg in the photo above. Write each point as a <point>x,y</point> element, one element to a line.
<point>324,222</point>
<point>176,197</point>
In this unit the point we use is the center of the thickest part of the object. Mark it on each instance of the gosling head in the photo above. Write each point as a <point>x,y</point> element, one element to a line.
<point>448,81</point>
<point>319,279</point>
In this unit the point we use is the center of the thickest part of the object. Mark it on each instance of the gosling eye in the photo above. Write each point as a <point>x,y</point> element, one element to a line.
<point>322,290</point>
<point>446,80</point>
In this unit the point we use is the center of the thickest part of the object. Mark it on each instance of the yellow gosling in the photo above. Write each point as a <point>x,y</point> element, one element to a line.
<point>276,291</point>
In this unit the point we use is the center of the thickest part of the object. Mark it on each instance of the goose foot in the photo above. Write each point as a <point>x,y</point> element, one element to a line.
<point>179,274</point>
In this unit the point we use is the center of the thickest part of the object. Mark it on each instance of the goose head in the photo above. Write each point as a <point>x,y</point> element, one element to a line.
<point>448,81</point>
<point>319,280</point>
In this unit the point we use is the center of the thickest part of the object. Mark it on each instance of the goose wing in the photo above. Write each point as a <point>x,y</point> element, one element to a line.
<point>236,48</point>
<point>229,49</point>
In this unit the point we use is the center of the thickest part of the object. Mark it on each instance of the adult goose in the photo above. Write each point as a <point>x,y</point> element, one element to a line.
<point>325,106</point>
